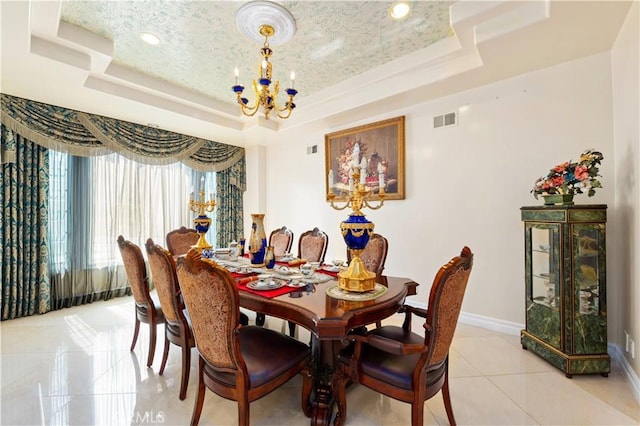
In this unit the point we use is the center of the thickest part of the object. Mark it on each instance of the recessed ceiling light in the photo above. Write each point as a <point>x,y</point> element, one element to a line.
<point>399,10</point>
<point>150,38</point>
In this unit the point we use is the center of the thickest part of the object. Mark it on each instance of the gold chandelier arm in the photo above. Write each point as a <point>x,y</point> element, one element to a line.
<point>286,109</point>
<point>248,110</point>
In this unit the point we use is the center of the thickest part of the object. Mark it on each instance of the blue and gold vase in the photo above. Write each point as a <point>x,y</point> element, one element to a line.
<point>356,231</point>
<point>269,258</point>
<point>257,240</point>
<point>202,224</point>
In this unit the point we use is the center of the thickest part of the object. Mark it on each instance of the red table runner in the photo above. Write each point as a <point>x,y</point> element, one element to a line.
<point>243,280</point>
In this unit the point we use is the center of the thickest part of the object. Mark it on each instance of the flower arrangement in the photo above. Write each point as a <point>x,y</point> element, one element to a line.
<point>571,177</point>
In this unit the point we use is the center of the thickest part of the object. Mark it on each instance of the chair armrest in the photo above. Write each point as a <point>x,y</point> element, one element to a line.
<point>393,346</point>
<point>408,310</point>
<point>414,310</point>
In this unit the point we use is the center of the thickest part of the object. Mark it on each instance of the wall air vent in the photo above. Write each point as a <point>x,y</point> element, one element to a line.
<point>445,120</point>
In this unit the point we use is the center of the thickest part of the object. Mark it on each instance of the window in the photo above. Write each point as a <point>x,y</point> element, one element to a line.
<point>93,200</point>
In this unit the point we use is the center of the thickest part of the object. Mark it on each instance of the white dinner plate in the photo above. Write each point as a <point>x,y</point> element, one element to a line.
<point>264,286</point>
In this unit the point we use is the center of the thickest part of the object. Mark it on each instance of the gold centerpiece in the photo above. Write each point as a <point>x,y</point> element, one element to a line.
<point>202,222</point>
<point>357,230</point>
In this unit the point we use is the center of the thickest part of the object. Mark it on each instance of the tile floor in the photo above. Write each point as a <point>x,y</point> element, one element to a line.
<point>73,367</point>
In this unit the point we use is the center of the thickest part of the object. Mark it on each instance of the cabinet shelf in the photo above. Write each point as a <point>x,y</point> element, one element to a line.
<point>566,315</point>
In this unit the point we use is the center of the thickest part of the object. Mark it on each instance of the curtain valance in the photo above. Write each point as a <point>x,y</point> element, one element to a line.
<point>82,134</point>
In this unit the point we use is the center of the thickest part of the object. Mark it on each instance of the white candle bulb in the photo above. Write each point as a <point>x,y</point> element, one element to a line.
<point>202,184</point>
<point>356,155</point>
<point>236,73</point>
<point>363,170</point>
<point>293,78</point>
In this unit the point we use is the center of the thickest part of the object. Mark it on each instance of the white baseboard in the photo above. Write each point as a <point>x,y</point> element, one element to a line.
<point>632,378</point>
<point>507,327</point>
<point>513,328</point>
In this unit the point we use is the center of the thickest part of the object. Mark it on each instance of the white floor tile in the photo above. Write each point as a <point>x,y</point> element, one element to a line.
<point>73,367</point>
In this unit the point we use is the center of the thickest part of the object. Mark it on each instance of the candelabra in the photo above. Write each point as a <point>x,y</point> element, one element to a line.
<point>356,231</point>
<point>265,97</point>
<point>202,222</point>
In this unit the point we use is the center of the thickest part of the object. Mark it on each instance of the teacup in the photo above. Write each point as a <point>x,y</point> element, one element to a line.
<point>314,265</point>
<point>264,279</point>
<point>287,256</point>
<point>307,269</point>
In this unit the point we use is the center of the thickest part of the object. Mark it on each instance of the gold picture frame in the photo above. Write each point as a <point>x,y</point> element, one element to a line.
<point>381,144</point>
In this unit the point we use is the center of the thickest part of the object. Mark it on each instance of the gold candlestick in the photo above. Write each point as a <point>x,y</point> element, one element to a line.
<point>356,231</point>
<point>202,222</point>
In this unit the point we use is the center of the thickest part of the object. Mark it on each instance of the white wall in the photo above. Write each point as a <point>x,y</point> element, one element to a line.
<point>625,288</point>
<point>464,184</point>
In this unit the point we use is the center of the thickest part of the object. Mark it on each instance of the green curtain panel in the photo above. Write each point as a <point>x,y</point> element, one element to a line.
<point>230,186</point>
<point>24,186</point>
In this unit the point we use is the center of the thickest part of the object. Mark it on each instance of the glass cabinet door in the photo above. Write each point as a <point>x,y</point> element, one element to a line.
<point>544,283</point>
<point>545,288</point>
<point>589,304</point>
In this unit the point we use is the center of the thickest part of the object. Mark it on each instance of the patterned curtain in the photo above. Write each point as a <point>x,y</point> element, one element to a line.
<point>24,183</point>
<point>29,128</point>
<point>230,184</point>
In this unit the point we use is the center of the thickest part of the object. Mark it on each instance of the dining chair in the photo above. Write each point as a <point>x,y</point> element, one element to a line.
<point>239,363</point>
<point>147,307</point>
<point>176,327</point>
<point>281,239</point>
<point>180,240</point>
<point>404,365</point>
<point>312,245</point>
<point>374,254</point>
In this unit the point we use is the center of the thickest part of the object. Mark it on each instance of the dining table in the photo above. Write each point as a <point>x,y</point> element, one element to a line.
<point>328,318</point>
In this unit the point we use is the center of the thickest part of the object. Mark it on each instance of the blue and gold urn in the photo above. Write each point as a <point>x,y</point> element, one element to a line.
<point>202,223</point>
<point>356,231</point>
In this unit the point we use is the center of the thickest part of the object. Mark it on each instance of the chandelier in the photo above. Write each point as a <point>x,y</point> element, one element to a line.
<point>265,97</point>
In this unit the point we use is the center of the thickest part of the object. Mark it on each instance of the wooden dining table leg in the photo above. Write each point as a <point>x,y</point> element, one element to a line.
<point>324,353</point>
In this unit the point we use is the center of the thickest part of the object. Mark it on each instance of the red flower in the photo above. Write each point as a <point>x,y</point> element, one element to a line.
<point>581,173</point>
<point>561,167</point>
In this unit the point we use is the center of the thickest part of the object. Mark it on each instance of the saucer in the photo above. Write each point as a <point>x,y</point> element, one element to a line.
<point>264,285</point>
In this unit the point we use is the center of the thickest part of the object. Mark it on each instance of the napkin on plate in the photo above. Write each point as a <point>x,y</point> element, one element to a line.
<point>247,280</point>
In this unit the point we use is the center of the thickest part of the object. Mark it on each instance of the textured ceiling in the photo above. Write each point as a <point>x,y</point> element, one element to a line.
<point>353,63</point>
<point>201,45</point>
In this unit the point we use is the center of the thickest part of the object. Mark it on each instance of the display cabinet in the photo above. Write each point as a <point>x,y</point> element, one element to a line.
<point>565,278</point>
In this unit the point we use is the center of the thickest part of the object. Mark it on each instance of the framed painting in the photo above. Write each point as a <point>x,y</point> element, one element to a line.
<point>376,150</point>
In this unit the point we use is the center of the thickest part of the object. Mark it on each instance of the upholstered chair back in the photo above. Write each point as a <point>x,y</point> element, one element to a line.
<point>135,270</point>
<point>374,254</point>
<point>179,241</point>
<point>312,245</point>
<point>281,239</point>
<point>211,298</point>
<point>165,281</point>
<point>445,302</point>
